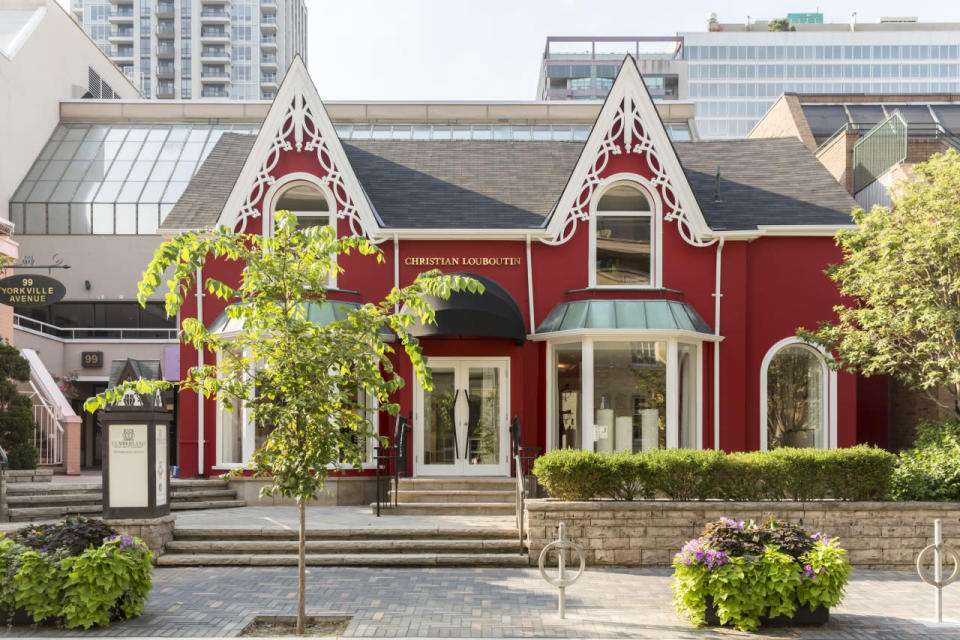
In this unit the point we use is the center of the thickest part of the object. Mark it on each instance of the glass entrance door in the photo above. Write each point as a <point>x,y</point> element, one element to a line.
<point>462,423</point>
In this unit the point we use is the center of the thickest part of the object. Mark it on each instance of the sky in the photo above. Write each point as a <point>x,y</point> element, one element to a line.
<point>491,49</point>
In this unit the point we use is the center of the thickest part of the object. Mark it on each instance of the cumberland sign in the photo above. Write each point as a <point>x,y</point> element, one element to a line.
<point>30,290</point>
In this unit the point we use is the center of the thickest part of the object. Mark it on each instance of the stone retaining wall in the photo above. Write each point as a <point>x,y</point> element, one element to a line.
<point>33,475</point>
<point>338,491</point>
<point>155,532</point>
<point>878,535</point>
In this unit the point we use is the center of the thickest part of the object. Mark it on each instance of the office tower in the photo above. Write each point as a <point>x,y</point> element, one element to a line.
<point>237,49</point>
<point>734,72</point>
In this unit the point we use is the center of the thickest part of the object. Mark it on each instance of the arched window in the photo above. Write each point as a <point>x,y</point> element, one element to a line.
<point>796,397</point>
<point>307,203</point>
<point>624,238</point>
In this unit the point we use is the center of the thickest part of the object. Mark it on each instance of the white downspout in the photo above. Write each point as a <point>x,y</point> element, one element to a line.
<point>533,324</point>
<point>200,425</point>
<point>716,348</point>
<point>396,266</point>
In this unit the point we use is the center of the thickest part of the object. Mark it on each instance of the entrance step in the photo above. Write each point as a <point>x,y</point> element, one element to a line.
<point>454,496</point>
<point>398,547</point>
<point>31,501</point>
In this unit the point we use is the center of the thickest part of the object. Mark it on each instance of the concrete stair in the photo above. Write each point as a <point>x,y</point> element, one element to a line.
<point>33,501</point>
<point>454,496</point>
<point>410,547</point>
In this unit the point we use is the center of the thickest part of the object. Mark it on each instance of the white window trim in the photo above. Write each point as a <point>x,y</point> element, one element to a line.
<point>830,390</point>
<point>586,381</point>
<point>656,228</point>
<point>288,181</point>
<point>250,433</point>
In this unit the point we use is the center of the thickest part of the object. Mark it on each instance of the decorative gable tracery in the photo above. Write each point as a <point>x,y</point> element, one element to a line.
<point>627,135</point>
<point>301,131</point>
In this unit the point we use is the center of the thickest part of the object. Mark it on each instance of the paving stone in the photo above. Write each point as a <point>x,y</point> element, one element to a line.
<point>610,603</point>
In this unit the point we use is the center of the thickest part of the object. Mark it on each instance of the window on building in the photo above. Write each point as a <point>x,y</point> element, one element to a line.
<point>624,383</point>
<point>796,392</point>
<point>624,238</point>
<point>307,203</point>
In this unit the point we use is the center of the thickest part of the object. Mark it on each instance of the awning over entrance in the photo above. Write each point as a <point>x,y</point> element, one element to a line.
<point>655,315</point>
<point>322,313</point>
<point>494,314</point>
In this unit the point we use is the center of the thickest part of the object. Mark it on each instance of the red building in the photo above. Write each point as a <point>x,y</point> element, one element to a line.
<point>640,293</point>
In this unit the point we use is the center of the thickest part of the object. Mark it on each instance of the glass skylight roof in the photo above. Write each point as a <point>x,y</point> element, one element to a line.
<point>106,179</point>
<point>125,178</point>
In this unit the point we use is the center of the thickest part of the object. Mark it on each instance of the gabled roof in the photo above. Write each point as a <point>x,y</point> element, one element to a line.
<point>424,184</point>
<point>478,184</point>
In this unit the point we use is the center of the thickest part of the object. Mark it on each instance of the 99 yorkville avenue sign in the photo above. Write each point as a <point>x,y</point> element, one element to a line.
<point>30,290</point>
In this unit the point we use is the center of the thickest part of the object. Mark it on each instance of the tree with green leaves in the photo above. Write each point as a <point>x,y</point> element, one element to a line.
<point>313,386</point>
<point>780,24</point>
<point>16,410</point>
<point>900,276</point>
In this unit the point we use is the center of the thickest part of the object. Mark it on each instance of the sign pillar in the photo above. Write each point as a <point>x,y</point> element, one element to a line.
<point>136,470</point>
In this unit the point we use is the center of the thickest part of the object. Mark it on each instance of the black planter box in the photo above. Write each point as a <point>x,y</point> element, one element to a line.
<point>802,617</point>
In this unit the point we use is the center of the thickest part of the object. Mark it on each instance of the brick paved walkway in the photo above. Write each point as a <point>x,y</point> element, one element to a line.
<point>494,603</point>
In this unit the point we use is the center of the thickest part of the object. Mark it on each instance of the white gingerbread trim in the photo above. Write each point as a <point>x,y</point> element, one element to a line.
<point>298,110</point>
<point>629,112</point>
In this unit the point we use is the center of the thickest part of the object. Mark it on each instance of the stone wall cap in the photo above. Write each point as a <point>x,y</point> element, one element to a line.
<point>133,522</point>
<point>551,504</point>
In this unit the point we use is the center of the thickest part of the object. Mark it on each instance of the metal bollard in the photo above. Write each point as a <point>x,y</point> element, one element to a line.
<point>562,581</point>
<point>939,550</point>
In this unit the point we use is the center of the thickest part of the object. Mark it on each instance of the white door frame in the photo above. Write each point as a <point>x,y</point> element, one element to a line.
<point>460,467</point>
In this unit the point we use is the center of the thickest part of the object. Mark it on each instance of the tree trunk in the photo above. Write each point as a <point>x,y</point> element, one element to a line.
<point>302,569</point>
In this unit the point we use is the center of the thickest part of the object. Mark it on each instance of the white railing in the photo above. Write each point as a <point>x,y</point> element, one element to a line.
<point>48,433</point>
<point>92,333</point>
<point>50,410</point>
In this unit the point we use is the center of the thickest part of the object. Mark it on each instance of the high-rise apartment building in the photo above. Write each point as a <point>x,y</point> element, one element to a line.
<point>235,49</point>
<point>735,72</point>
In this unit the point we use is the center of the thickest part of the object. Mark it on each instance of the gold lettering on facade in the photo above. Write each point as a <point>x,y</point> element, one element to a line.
<point>471,261</point>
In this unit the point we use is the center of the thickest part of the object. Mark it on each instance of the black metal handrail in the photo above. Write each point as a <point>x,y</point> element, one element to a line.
<point>395,454</point>
<point>522,459</point>
<point>3,471</point>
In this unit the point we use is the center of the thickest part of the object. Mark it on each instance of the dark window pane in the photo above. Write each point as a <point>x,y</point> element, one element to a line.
<point>623,250</point>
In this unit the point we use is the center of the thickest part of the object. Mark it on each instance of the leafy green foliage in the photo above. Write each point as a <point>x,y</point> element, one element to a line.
<point>75,535</point>
<point>16,411</point>
<point>37,583</point>
<point>316,385</point>
<point>856,473</point>
<point>780,24</point>
<point>102,582</point>
<point>572,474</point>
<point>930,471</point>
<point>107,582</point>
<point>312,386</point>
<point>739,571</point>
<point>899,275</point>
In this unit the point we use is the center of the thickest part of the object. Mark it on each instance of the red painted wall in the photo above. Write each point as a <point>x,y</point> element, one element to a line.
<point>770,286</point>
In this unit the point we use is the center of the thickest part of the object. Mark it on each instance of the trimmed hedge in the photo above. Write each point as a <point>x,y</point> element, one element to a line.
<point>857,473</point>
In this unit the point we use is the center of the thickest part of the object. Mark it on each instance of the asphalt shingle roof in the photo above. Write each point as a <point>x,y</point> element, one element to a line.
<point>506,184</point>
<point>205,197</point>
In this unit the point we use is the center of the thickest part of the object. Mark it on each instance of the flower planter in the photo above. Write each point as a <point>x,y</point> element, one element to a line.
<point>802,617</point>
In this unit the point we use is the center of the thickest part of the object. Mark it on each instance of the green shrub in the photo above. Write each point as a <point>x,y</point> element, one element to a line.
<point>685,474</point>
<point>930,471</point>
<point>572,474</point>
<point>73,537</point>
<point>74,584</point>
<point>16,410</point>
<point>862,472</point>
<point>628,477</point>
<point>739,569</point>
<point>856,473</point>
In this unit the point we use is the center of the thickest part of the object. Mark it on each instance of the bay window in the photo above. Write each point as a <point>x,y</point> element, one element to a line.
<point>625,394</point>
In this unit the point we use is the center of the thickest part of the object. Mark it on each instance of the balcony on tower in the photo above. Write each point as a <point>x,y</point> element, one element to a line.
<point>164,10</point>
<point>268,23</point>
<point>214,14</point>
<point>214,34</point>
<point>165,29</point>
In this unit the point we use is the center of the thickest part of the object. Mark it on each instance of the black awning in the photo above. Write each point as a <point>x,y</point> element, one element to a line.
<point>494,314</point>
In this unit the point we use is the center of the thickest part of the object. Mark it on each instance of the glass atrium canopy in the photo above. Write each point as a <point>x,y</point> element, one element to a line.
<point>112,178</point>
